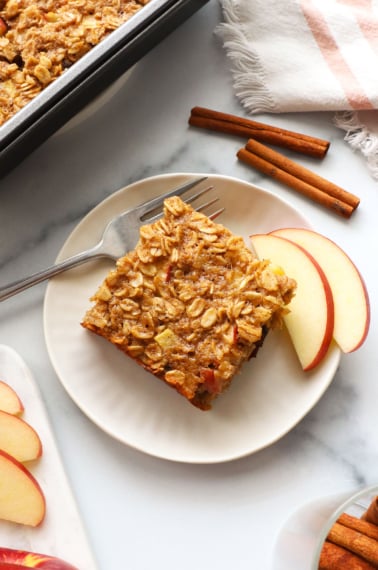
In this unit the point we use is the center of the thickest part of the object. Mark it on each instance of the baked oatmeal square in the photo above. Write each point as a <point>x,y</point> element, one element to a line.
<point>191,303</point>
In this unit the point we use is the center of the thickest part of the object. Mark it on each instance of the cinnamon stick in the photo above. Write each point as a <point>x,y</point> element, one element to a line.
<point>354,541</point>
<point>303,173</point>
<point>371,515</point>
<point>293,175</point>
<point>240,126</point>
<point>363,526</point>
<point>334,557</point>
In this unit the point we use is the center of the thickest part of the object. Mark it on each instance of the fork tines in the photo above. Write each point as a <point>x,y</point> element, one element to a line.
<point>152,210</point>
<point>151,207</point>
<point>206,205</point>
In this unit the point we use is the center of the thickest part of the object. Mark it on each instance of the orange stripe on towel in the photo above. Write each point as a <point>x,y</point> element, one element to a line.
<point>354,93</point>
<point>353,3</point>
<point>362,10</point>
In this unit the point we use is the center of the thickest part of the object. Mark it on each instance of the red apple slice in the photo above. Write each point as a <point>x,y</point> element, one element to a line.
<point>350,296</point>
<point>18,438</point>
<point>13,558</point>
<point>9,400</point>
<point>311,318</point>
<point>21,497</point>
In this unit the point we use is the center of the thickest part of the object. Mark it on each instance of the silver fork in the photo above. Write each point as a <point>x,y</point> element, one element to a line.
<point>120,235</point>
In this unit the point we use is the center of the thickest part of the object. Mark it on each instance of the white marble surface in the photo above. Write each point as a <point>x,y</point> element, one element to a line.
<point>140,512</point>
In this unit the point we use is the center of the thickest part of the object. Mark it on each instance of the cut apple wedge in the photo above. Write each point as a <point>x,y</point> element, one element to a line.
<point>13,558</point>
<point>311,319</point>
<point>350,296</point>
<point>21,497</point>
<point>18,438</point>
<point>9,400</point>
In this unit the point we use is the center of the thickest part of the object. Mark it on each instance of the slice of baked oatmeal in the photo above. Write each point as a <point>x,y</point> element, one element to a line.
<point>191,303</point>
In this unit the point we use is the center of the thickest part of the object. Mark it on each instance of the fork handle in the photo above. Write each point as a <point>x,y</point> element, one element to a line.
<point>22,284</point>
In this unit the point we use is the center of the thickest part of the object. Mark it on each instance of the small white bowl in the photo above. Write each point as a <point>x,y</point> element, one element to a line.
<point>301,539</point>
<point>356,506</point>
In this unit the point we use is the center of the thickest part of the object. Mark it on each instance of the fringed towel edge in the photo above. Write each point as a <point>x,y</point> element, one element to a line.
<point>247,71</point>
<point>360,138</point>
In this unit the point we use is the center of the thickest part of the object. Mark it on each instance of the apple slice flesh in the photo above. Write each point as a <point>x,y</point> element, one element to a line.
<point>9,400</point>
<point>311,318</point>
<point>13,558</point>
<point>21,497</point>
<point>350,296</point>
<point>18,438</point>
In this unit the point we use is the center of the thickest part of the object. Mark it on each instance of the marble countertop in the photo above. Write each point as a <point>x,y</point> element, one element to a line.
<point>141,512</point>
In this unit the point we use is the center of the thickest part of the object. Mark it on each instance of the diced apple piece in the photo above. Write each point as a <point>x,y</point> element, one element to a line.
<point>21,497</point>
<point>3,27</point>
<point>350,296</point>
<point>18,438</point>
<point>167,339</point>
<point>9,400</point>
<point>311,318</point>
<point>20,559</point>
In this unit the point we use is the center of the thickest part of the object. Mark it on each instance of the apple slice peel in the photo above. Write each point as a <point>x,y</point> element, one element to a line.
<point>9,400</point>
<point>350,296</point>
<point>310,321</point>
<point>21,497</point>
<point>19,438</point>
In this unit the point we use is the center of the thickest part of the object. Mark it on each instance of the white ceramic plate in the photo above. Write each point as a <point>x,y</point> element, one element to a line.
<point>61,533</point>
<point>265,401</point>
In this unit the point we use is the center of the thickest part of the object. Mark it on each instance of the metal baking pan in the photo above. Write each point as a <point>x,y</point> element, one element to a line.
<point>88,77</point>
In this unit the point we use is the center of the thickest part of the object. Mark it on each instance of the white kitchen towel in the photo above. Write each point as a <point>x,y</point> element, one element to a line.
<point>308,55</point>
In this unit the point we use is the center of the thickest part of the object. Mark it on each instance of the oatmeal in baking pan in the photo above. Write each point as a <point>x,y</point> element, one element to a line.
<point>39,40</point>
<point>191,303</point>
